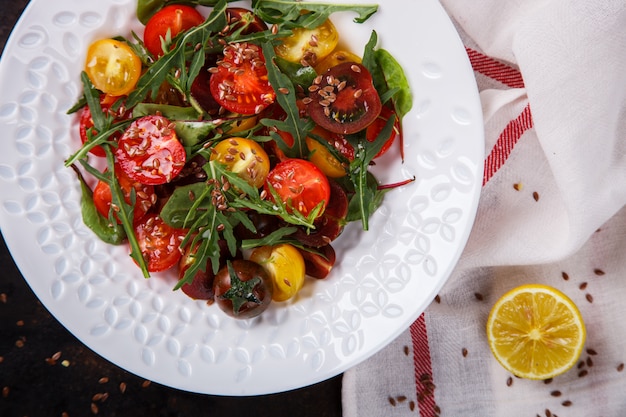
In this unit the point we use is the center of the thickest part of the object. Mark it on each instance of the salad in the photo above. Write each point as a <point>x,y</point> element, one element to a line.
<point>235,143</point>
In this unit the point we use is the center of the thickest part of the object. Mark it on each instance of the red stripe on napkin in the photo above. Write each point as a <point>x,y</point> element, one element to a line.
<point>497,70</point>
<point>506,142</point>
<point>423,369</point>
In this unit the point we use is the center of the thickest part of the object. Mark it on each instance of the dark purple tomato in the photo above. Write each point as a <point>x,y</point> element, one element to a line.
<point>243,289</point>
<point>343,99</point>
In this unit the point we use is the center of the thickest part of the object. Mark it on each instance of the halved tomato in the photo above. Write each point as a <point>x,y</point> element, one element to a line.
<point>112,66</point>
<point>159,242</point>
<point>300,185</point>
<point>175,18</point>
<point>240,83</point>
<point>149,151</point>
<point>309,45</point>
<point>344,99</point>
<point>323,158</point>
<point>244,157</point>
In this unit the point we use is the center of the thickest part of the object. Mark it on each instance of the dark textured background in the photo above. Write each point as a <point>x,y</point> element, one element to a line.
<point>33,384</point>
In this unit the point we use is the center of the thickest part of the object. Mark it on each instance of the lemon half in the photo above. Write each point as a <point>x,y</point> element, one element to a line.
<point>536,332</point>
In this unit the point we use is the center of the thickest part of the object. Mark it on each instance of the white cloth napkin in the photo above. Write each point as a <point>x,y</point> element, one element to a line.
<point>552,80</point>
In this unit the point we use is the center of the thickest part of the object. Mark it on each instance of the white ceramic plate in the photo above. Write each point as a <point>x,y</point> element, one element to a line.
<point>384,278</point>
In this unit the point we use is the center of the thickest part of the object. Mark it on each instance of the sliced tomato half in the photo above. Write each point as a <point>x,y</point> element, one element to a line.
<point>150,152</point>
<point>239,83</point>
<point>344,99</point>
<point>159,242</point>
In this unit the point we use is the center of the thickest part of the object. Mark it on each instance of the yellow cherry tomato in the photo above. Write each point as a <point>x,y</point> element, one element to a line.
<point>320,41</point>
<point>285,265</point>
<point>321,157</point>
<point>112,66</point>
<point>244,157</point>
<point>336,58</point>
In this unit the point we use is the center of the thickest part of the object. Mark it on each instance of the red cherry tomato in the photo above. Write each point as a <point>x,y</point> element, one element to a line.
<point>86,122</point>
<point>159,242</point>
<point>343,99</point>
<point>377,126</point>
<point>299,184</point>
<point>144,195</point>
<point>176,18</point>
<point>149,151</point>
<point>240,83</point>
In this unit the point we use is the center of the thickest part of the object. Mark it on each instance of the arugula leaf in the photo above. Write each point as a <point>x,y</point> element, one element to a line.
<point>309,15</point>
<point>293,124</point>
<point>365,152</point>
<point>274,238</point>
<point>396,81</point>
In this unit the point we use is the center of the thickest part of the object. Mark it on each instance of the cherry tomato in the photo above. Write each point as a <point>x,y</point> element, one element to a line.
<point>377,126</point>
<point>112,66</point>
<point>237,17</point>
<point>300,185</point>
<point>243,289</point>
<point>144,195</point>
<point>149,151</point>
<point>239,82</point>
<point>175,18</point>
<point>86,122</point>
<point>336,58</point>
<point>309,45</point>
<point>352,104</point>
<point>159,242</point>
<point>244,157</point>
<point>323,158</point>
<point>285,265</point>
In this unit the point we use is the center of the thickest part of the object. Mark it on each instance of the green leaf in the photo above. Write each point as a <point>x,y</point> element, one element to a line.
<point>308,15</point>
<point>186,204</point>
<point>396,81</point>
<point>297,127</point>
<point>274,238</point>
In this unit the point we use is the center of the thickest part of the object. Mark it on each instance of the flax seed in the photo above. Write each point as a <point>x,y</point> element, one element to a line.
<point>589,362</point>
<point>478,296</point>
<point>556,393</point>
<point>437,299</point>
<point>94,408</point>
<point>358,93</point>
<point>589,298</point>
<point>566,403</point>
<point>592,352</point>
<point>565,276</point>
<point>583,373</point>
<point>355,68</point>
<point>509,381</point>
<point>517,186</point>
<point>103,380</point>
<point>464,352</point>
<point>392,401</point>
<point>122,387</point>
<point>598,272</point>
<point>620,367</point>
<point>145,384</point>
<point>535,195</point>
